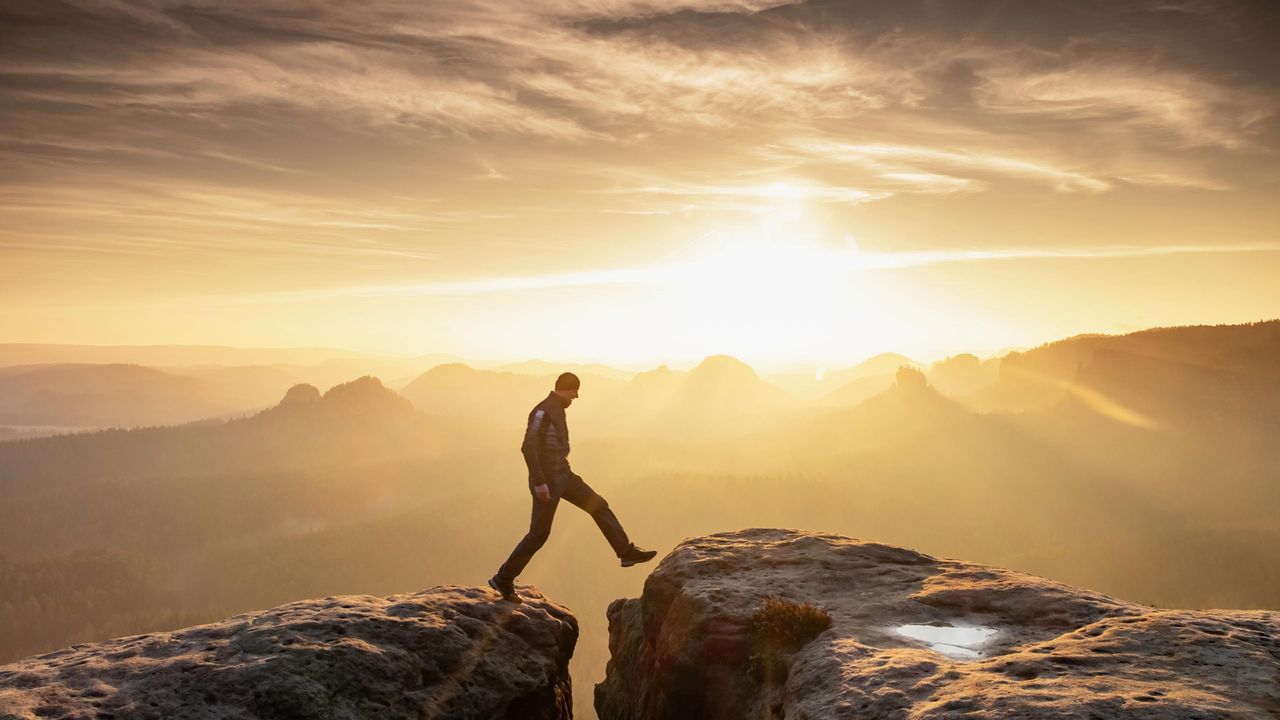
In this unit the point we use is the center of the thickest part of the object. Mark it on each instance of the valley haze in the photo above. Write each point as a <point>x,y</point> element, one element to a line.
<point>1138,465</point>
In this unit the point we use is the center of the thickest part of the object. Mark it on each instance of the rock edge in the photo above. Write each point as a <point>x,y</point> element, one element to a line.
<point>681,651</point>
<point>446,652</point>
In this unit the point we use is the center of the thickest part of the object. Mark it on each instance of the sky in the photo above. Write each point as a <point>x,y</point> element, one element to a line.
<point>637,181</point>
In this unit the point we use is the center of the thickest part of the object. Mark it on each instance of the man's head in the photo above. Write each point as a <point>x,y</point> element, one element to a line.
<point>567,387</point>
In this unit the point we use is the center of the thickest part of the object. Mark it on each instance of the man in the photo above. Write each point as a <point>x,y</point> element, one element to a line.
<point>546,450</point>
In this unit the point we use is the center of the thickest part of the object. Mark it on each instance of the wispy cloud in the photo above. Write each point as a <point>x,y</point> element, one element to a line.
<point>203,220</point>
<point>750,196</point>
<point>1194,110</point>
<point>920,165</point>
<point>551,69</point>
<point>696,271</point>
<point>312,129</point>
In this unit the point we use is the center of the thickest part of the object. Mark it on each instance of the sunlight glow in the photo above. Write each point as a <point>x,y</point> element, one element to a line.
<point>1092,399</point>
<point>778,283</point>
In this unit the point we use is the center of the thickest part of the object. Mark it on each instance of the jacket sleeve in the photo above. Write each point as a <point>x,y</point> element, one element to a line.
<point>531,445</point>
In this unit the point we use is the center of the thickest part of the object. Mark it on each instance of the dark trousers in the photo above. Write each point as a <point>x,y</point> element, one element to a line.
<point>571,487</point>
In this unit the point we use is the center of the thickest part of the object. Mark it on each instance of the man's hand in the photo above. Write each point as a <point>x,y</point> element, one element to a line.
<point>542,492</point>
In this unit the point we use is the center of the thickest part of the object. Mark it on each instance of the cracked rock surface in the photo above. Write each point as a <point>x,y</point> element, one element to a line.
<point>682,650</point>
<point>447,652</point>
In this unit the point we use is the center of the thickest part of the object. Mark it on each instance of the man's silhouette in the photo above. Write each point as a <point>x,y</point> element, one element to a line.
<point>546,450</point>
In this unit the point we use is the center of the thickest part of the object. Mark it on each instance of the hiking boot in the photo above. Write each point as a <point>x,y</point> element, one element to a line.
<point>635,555</point>
<point>506,588</point>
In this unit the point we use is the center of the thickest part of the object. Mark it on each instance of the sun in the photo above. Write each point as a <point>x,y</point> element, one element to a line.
<point>774,286</point>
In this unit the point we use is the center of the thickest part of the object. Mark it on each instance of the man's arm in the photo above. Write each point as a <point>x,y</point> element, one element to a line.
<point>529,448</point>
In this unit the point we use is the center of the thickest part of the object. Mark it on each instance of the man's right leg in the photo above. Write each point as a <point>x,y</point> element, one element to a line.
<point>578,492</point>
<point>544,511</point>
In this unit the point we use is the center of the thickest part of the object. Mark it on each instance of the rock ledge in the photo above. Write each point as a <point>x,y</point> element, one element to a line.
<point>447,652</point>
<point>681,650</point>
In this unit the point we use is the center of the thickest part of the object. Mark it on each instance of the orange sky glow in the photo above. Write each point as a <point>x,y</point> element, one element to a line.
<point>635,182</point>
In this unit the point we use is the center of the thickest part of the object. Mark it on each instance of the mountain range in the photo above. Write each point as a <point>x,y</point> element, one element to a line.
<point>1142,465</point>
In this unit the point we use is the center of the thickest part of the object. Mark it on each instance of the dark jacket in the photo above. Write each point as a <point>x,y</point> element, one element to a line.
<point>546,441</point>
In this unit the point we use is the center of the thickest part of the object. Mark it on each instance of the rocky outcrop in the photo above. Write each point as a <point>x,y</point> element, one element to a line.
<point>447,652</point>
<point>301,394</point>
<point>916,637</point>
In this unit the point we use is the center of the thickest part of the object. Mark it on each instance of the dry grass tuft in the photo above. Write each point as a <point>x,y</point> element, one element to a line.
<point>784,626</point>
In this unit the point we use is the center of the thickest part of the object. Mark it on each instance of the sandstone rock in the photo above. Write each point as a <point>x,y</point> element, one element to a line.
<point>682,651</point>
<point>447,652</point>
<point>301,394</point>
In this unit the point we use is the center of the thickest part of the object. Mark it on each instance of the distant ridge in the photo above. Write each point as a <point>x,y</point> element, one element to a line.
<point>543,368</point>
<point>462,390</point>
<point>357,419</point>
<point>365,397</point>
<point>721,395</point>
<point>300,394</point>
<point>91,395</point>
<point>183,356</point>
<point>27,353</point>
<point>1043,375</point>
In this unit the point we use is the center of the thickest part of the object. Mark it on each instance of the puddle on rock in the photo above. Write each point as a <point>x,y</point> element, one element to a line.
<point>960,642</point>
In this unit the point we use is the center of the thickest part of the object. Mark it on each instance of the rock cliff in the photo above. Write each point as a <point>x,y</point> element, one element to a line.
<point>448,652</point>
<point>911,636</point>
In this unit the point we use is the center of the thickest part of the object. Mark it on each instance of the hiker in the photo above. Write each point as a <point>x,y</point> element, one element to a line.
<point>545,450</point>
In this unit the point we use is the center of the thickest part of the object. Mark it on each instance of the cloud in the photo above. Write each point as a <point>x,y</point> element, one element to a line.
<point>559,70</point>
<point>647,108</point>
<point>694,272</point>
<point>1196,111</point>
<point>214,221</point>
<point>918,165</point>
<point>751,196</point>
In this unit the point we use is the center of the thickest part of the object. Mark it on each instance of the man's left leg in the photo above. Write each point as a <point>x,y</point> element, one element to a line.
<point>578,492</point>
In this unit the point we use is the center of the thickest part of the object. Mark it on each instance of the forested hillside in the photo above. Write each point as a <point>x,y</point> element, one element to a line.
<point>1152,479</point>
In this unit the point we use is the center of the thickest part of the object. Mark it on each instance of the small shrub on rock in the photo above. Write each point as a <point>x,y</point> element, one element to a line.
<point>784,626</point>
<point>776,630</point>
